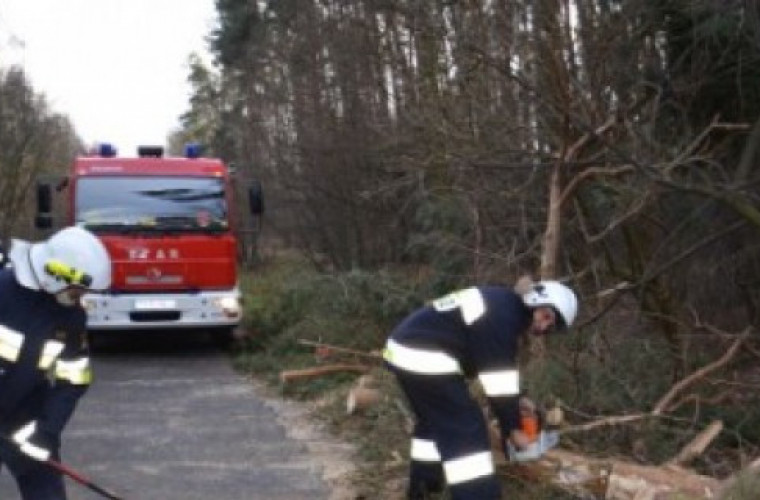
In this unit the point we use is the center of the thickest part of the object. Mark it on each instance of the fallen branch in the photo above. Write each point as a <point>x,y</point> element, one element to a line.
<point>344,350</point>
<point>698,445</point>
<point>606,422</point>
<point>318,371</point>
<point>665,403</point>
<point>620,480</point>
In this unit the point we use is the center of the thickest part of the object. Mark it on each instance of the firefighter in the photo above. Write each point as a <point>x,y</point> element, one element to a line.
<point>471,333</point>
<point>44,363</point>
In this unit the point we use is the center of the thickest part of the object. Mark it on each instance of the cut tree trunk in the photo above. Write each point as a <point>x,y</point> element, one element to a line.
<point>613,479</point>
<point>606,478</point>
<point>361,398</point>
<point>362,395</point>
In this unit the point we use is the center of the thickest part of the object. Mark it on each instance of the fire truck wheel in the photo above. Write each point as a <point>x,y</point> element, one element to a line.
<point>223,336</point>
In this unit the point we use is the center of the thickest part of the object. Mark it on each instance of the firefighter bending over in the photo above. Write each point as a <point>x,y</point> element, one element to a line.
<point>44,363</point>
<point>469,333</point>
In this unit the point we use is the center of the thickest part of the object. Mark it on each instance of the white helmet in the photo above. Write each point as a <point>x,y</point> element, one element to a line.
<point>71,257</point>
<point>553,294</point>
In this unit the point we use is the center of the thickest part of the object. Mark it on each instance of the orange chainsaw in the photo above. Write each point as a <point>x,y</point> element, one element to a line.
<point>531,424</point>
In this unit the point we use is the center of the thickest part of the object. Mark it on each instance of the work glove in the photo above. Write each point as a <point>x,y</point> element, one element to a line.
<point>529,442</point>
<point>519,440</point>
<point>32,443</point>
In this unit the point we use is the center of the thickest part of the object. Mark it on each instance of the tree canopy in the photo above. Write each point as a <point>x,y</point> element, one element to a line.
<point>611,143</point>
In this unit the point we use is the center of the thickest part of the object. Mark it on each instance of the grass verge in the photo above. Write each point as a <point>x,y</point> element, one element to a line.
<point>615,367</point>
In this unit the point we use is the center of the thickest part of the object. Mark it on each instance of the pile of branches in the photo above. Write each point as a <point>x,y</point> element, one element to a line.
<point>579,474</point>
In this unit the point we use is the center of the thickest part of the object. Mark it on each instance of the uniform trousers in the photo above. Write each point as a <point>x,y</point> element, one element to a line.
<point>450,442</point>
<point>35,480</point>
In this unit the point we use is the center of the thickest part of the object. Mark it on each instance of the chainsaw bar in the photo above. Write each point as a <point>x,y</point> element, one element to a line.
<point>545,441</point>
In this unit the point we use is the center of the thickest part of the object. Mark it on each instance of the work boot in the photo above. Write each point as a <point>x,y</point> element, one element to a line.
<point>419,490</point>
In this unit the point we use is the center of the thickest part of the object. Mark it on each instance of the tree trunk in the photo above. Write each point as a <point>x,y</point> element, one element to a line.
<point>612,479</point>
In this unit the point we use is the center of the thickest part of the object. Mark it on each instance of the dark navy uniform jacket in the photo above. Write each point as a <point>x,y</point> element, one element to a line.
<point>473,332</point>
<point>44,362</point>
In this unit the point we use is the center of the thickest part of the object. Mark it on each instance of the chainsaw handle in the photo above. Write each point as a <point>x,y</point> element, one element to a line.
<point>530,426</point>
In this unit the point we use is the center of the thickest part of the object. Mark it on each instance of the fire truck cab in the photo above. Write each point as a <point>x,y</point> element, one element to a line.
<point>169,227</point>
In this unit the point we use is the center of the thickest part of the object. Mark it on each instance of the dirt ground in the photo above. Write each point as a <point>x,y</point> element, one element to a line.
<point>349,473</point>
<point>336,459</point>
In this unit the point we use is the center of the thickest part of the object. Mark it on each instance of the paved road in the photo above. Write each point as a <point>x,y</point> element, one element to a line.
<point>170,420</point>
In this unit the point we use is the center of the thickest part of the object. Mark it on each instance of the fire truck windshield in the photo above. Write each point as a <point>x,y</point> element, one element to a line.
<point>116,203</point>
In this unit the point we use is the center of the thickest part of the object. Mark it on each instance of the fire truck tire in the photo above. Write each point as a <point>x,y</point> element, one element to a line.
<point>223,336</point>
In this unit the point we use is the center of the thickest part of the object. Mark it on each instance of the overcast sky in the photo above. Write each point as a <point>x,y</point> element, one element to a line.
<point>117,68</point>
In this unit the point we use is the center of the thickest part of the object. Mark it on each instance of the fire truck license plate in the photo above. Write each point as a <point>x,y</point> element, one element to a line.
<point>154,304</point>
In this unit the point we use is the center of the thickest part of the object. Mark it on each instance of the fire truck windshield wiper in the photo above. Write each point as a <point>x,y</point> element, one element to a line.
<point>213,229</point>
<point>109,227</point>
<point>128,228</point>
<point>161,228</point>
<point>190,224</point>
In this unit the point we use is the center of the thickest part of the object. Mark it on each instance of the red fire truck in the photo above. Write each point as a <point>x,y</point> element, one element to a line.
<point>169,227</point>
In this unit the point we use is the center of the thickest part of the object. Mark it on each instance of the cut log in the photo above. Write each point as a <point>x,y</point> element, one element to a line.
<point>360,398</point>
<point>318,371</point>
<point>608,479</point>
<point>613,479</point>
<point>366,380</point>
<point>362,395</point>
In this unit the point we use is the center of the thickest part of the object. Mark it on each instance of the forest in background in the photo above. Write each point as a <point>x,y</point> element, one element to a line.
<point>609,144</point>
<point>34,142</point>
<point>612,144</point>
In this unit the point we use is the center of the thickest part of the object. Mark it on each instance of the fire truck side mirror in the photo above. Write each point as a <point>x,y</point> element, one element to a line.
<point>44,217</point>
<point>255,198</point>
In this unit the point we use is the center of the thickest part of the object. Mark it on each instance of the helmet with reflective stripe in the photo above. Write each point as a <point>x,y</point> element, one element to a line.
<point>556,295</point>
<point>71,257</point>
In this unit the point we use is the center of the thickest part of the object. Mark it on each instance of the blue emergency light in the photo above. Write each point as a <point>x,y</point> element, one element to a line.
<point>106,150</point>
<point>193,150</point>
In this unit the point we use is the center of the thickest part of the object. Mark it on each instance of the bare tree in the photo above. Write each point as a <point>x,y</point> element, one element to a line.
<point>33,142</point>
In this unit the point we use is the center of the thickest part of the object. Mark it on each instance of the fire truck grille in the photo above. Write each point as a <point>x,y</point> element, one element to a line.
<point>146,316</point>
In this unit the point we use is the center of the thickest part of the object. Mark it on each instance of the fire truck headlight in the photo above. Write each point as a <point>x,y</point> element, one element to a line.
<point>89,304</point>
<point>230,306</point>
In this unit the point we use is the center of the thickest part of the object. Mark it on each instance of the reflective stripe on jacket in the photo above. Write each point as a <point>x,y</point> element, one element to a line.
<point>44,360</point>
<point>473,332</point>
